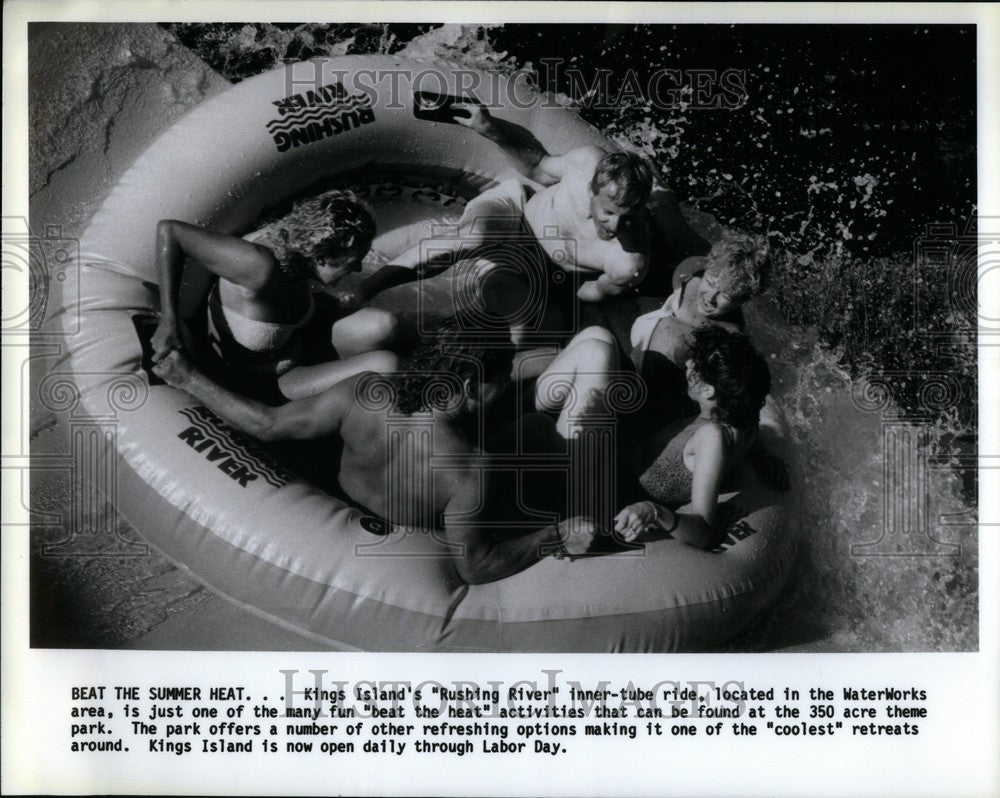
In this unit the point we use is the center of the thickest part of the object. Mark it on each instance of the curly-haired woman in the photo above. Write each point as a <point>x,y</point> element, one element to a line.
<point>261,299</point>
<point>687,460</point>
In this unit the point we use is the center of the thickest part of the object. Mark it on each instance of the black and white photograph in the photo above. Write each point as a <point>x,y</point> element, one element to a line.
<point>372,364</point>
<point>450,336</point>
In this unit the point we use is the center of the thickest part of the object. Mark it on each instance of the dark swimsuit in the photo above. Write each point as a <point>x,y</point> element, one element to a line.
<point>660,468</point>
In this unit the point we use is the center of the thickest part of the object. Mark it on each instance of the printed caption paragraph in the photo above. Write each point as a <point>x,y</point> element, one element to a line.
<point>310,713</point>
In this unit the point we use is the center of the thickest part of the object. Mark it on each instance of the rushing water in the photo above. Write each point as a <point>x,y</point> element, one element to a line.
<point>842,145</point>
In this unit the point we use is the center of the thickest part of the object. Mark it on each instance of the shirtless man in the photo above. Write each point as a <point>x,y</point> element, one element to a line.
<point>593,198</point>
<point>468,499</point>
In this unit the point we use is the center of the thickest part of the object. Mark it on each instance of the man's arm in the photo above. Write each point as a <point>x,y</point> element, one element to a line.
<point>527,152</point>
<point>409,266</point>
<point>481,558</point>
<point>300,419</point>
<point>428,258</point>
<point>624,262</point>
<point>627,272</point>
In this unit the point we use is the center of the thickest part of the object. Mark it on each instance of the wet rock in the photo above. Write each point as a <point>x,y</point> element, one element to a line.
<point>98,96</point>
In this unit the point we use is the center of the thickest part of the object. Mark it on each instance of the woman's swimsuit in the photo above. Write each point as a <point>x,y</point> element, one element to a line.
<point>661,344</point>
<point>671,336</point>
<point>661,469</point>
<point>250,345</point>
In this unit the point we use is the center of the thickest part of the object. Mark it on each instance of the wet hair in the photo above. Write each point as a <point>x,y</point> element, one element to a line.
<point>735,369</point>
<point>435,372</point>
<point>741,262</point>
<point>628,173</point>
<point>322,226</point>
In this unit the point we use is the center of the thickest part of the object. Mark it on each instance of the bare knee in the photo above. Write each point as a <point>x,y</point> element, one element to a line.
<point>597,351</point>
<point>383,327</point>
<point>364,331</point>
<point>593,333</point>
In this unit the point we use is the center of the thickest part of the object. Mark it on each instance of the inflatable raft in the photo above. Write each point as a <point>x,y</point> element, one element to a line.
<point>255,532</point>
